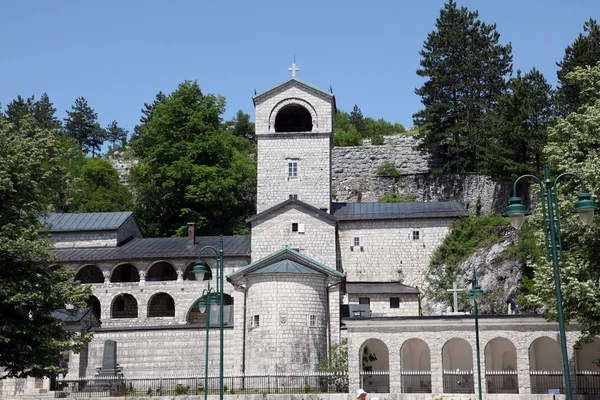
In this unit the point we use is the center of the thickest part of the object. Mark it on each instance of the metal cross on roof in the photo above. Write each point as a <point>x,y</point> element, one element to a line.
<point>293,68</point>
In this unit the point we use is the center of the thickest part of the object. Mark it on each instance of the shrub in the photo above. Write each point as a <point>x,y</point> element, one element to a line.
<point>181,389</point>
<point>388,169</point>
<point>350,137</point>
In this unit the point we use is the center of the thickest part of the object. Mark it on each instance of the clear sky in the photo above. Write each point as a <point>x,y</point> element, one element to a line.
<point>119,54</point>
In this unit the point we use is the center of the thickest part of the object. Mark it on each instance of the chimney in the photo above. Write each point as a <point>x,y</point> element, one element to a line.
<point>191,233</point>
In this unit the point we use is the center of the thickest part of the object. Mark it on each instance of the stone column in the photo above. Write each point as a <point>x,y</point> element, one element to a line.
<point>394,354</point>
<point>437,370</point>
<point>523,366</point>
<point>106,275</point>
<point>353,365</point>
<point>142,278</point>
<point>179,275</point>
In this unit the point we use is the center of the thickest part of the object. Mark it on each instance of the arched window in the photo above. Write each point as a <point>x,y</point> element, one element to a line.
<point>125,273</point>
<point>501,366</point>
<point>89,274</point>
<point>293,118</point>
<point>457,363</point>
<point>124,306</point>
<point>194,315</point>
<point>374,366</point>
<point>161,271</point>
<point>415,359</point>
<point>545,365</point>
<point>94,303</point>
<point>161,305</point>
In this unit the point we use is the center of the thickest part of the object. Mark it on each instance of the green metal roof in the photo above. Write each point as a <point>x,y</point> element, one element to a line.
<point>99,221</point>
<point>285,267</point>
<point>255,97</point>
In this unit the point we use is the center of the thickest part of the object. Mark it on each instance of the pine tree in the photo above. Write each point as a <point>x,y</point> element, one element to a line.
<point>18,109</point>
<point>585,51</point>
<point>148,112</point>
<point>114,134</point>
<point>81,125</point>
<point>465,66</point>
<point>43,112</point>
<point>357,120</point>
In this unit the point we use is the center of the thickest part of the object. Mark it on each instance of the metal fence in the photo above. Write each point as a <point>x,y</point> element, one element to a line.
<point>416,381</point>
<point>458,382</point>
<point>544,381</point>
<point>172,386</point>
<point>588,382</point>
<point>375,381</point>
<point>502,381</point>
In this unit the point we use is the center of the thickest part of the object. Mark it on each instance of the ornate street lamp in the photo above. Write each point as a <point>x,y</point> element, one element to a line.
<point>209,301</point>
<point>475,295</point>
<point>584,206</point>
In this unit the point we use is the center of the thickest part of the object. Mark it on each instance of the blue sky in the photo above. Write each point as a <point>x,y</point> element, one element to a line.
<point>119,54</point>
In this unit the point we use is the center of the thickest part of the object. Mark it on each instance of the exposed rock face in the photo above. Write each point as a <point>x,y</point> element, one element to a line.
<point>122,165</point>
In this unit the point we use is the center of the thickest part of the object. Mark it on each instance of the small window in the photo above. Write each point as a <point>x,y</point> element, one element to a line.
<point>256,321</point>
<point>415,235</point>
<point>293,169</point>
<point>394,302</point>
<point>357,241</point>
<point>294,227</point>
<point>364,300</point>
<point>312,320</point>
<point>299,250</point>
<point>293,197</point>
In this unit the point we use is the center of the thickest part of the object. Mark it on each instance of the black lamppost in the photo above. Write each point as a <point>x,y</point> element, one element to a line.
<point>203,273</point>
<point>585,207</point>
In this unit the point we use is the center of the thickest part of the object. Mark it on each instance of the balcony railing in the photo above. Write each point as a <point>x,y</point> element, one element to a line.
<point>416,381</point>
<point>588,382</point>
<point>502,381</point>
<point>375,381</point>
<point>458,382</point>
<point>544,382</point>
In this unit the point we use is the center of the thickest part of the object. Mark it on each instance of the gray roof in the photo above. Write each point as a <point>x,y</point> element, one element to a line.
<point>157,248</point>
<point>365,211</point>
<point>100,221</point>
<point>66,316</point>
<point>285,267</point>
<point>295,202</point>
<point>379,288</point>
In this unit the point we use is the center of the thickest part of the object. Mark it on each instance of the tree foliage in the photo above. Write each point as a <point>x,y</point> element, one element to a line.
<point>336,362</point>
<point>585,51</point>
<point>347,137</point>
<point>465,67</point>
<point>189,168</point>
<point>31,341</point>
<point>573,146</point>
<point>116,134</point>
<point>100,189</point>
<point>81,124</point>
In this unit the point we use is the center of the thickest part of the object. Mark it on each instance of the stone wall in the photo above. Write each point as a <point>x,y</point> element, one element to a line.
<point>380,304</point>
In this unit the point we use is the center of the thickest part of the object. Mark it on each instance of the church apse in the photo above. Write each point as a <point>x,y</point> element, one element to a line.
<point>293,118</point>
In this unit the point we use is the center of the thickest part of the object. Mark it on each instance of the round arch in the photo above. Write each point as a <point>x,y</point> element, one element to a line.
<point>194,316</point>
<point>296,102</point>
<point>187,274</point>
<point>545,355</point>
<point>95,305</point>
<point>161,271</point>
<point>415,355</point>
<point>124,305</point>
<point>161,305</point>
<point>457,354</point>
<point>89,274</point>
<point>124,272</point>
<point>500,355</point>
<point>585,355</point>
<point>374,358</point>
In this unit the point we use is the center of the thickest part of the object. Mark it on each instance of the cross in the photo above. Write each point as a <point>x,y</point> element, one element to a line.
<point>293,68</point>
<point>455,291</point>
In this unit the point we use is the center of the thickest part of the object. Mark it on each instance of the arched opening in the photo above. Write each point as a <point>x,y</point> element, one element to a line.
<point>415,359</point>
<point>125,273</point>
<point>194,316</point>
<point>161,305</point>
<point>94,304</point>
<point>375,366</point>
<point>293,118</point>
<point>501,366</point>
<point>545,365</point>
<point>187,274</point>
<point>588,373</point>
<point>89,274</point>
<point>161,271</point>
<point>457,362</point>
<point>124,306</point>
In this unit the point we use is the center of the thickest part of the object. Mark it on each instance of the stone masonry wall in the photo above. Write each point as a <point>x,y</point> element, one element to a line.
<point>387,247</point>
<point>380,304</point>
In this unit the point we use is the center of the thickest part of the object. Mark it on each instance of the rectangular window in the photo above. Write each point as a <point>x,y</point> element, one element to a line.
<point>293,197</point>
<point>294,227</point>
<point>364,300</point>
<point>256,321</point>
<point>394,302</point>
<point>292,169</point>
<point>415,235</point>
<point>312,321</point>
<point>357,241</point>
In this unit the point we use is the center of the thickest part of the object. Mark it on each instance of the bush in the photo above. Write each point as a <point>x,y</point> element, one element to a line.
<point>377,140</point>
<point>181,389</point>
<point>350,137</point>
<point>388,169</point>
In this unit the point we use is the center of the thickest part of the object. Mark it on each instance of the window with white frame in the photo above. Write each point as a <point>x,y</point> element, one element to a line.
<point>416,235</point>
<point>312,320</point>
<point>292,169</point>
<point>356,241</point>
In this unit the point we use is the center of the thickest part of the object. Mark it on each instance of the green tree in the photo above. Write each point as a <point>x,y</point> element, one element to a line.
<point>101,190</point>
<point>465,67</point>
<point>147,112</point>
<point>189,168</point>
<point>349,137</point>
<point>573,146</point>
<point>518,128</point>
<point>43,111</point>
<point>585,51</point>
<point>31,341</point>
<point>116,134</point>
<point>336,362</point>
<point>356,119</point>
<point>81,124</point>
<point>340,121</point>
<point>72,160</point>
<point>18,109</point>
<point>242,127</point>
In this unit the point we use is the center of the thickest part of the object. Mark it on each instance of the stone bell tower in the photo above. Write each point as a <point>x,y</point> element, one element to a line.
<point>294,131</point>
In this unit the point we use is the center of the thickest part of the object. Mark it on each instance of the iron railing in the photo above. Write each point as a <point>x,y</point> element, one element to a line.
<point>588,382</point>
<point>458,382</point>
<point>172,386</point>
<point>416,381</point>
<point>502,381</point>
<point>543,382</point>
<point>375,381</point>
